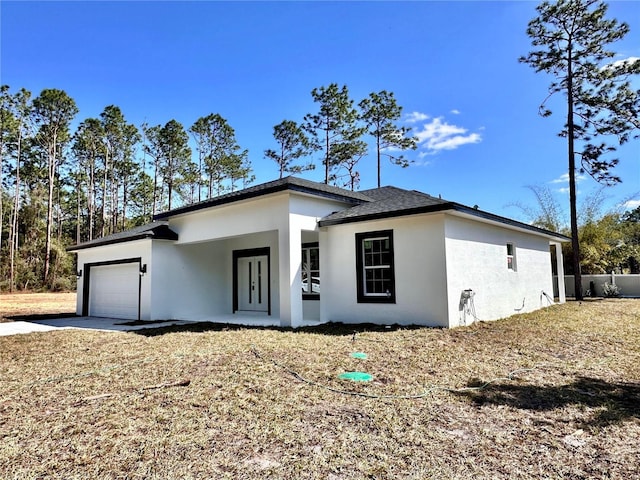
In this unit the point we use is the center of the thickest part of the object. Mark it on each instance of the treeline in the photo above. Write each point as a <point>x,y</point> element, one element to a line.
<point>610,242</point>
<point>60,187</point>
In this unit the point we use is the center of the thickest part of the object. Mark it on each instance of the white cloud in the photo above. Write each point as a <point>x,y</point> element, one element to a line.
<point>415,117</point>
<point>564,178</point>
<point>631,204</point>
<point>438,135</point>
<point>455,111</point>
<point>618,63</point>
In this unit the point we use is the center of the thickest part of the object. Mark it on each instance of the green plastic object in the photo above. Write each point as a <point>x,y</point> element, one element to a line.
<point>356,376</point>
<point>360,355</point>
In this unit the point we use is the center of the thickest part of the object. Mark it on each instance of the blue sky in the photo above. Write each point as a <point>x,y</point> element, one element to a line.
<point>453,66</point>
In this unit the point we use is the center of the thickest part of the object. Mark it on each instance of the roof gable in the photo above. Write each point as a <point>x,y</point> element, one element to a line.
<point>293,184</point>
<point>389,202</point>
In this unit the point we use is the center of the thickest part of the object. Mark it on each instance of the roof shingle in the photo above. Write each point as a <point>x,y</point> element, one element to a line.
<point>155,230</point>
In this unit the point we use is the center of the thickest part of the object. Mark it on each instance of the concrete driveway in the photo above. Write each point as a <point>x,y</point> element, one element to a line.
<point>93,323</point>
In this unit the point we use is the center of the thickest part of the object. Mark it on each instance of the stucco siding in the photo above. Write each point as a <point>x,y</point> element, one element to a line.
<point>476,259</point>
<point>420,284</point>
<point>195,281</point>
<point>256,215</point>
<point>114,253</point>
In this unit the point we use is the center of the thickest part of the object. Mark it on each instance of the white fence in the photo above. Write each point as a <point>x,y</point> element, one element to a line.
<point>592,285</point>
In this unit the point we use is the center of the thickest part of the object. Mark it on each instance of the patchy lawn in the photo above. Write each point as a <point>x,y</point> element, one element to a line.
<point>563,401</point>
<point>36,304</point>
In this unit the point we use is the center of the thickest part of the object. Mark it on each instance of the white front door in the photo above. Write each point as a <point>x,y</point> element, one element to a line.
<point>253,283</point>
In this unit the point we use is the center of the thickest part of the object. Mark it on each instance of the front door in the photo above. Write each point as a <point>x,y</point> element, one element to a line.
<point>253,283</point>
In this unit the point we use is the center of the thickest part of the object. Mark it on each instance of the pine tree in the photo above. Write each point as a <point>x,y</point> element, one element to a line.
<point>293,144</point>
<point>53,111</point>
<point>335,128</point>
<point>602,108</point>
<point>380,111</point>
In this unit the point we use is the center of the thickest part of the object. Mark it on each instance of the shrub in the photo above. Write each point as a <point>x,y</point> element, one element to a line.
<point>610,290</point>
<point>62,284</point>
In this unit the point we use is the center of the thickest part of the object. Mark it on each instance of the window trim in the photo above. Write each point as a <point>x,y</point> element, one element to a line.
<point>307,295</point>
<point>363,297</point>
<point>513,265</point>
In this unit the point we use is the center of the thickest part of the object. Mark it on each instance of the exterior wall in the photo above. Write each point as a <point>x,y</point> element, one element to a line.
<point>420,282</point>
<point>476,256</point>
<point>261,214</point>
<point>189,282</point>
<point>115,252</point>
<point>201,259</point>
<point>195,281</point>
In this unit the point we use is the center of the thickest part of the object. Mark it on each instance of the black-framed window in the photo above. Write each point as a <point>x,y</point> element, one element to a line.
<point>511,257</point>
<point>374,265</point>
<point>310,271</point>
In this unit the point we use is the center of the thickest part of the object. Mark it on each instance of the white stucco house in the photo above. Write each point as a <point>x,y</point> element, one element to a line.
<point>293,252</point>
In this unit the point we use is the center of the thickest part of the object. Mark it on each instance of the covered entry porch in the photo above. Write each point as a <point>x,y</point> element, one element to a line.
<point>252,279</point>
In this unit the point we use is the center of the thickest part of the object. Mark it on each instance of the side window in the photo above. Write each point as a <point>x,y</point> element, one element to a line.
<point>375,268</point>
<point>511,257</point>
<point>310,271</point>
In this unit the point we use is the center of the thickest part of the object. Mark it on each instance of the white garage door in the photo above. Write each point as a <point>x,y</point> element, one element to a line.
<point>113,291</point>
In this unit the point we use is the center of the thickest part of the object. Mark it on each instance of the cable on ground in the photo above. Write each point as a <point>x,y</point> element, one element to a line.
<point>509,377</point>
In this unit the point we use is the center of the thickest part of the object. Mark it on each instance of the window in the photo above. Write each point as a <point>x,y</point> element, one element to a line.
<point>310,271</point>
<point>511,256</point>
<point>374,264</point>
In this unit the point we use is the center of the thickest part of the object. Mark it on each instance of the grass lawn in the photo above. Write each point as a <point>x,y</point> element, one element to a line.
<point>563,401</point>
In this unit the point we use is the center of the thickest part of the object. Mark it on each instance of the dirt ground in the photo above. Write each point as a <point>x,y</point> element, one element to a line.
<point>36,304</point>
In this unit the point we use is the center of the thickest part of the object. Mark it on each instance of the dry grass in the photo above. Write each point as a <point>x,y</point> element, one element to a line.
<point>82,404</point>
<point>36,304</point>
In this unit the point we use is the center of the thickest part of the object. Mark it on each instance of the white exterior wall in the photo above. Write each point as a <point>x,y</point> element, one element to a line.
<point>476,259</point>
<point>419,263</point>
<point>189,282</point>
<point>115,252</point>
<point>207,239</point>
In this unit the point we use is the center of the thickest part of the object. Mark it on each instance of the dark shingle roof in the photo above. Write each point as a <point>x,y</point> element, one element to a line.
<point>388,202</point>
<point>155,230</point>
<point>288,183</point>
<point>385,202</point>
<point>377,203</point>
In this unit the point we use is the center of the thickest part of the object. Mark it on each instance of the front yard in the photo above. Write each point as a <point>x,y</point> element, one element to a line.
<point>553,394</point>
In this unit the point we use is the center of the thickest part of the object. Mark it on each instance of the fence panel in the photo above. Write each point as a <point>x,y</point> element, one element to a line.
<point>592,285</point>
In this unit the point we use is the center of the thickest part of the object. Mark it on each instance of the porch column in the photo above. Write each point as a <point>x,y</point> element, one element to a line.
<point>562,298</point>
<point>290,285</point>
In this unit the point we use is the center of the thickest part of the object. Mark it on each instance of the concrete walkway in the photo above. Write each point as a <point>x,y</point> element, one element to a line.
<point>120,325</point>
<point>93,323</point>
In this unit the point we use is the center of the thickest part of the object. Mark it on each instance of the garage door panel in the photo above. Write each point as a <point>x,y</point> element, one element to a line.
<point>114,290</point>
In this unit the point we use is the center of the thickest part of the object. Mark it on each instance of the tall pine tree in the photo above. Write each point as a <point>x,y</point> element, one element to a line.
<point>571,38</point>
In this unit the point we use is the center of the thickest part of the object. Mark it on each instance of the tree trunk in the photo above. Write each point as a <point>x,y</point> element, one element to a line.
<point>51,171</point>
<point>104,193</point>
<point>90,198</point>
<point>326,159</point>
<point>13,245</point>
<point>378,151</point>
<point>124,203</point>
<point>78,212</point>
<point>575,242</point>
<point>58,206</point>
<point>155,187</point>
<point>1,195</point>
